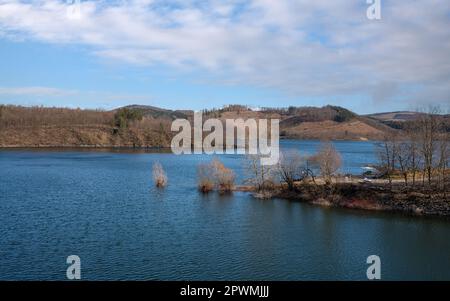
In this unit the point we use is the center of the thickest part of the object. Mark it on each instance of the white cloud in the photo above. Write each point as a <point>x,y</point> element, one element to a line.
<point>304,48</point>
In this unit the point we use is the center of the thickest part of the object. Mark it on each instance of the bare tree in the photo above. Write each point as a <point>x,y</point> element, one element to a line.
<point>415,159</point>
<point>403,155</point>
<point>159,175</point>
<point>444,154</point>
<point>328,160</point>
<point>388,154</point>
<point>292,167</point>
<point>260,176</point>
<point>428,131</point>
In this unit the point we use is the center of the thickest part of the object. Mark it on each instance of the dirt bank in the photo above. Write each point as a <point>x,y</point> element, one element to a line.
<point>372,197</point>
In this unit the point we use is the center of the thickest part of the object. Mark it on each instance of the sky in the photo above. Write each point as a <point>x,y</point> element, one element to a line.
<point>195,54</point>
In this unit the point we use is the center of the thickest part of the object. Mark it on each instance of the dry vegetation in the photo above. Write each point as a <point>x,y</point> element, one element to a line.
<point>215,176</point>
<point>35,117</point>
<point>414,154</point>
<point>292,169</point>
<point>261,177</point>
<point>159,175</point>
<point>421,154</point>
<point>145,126</point>
<point>328,161</point>
<point>61,127</point>
<point>425,157</point>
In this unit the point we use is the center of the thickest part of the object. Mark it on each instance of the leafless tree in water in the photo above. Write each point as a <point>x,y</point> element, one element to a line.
<point>159,175</point>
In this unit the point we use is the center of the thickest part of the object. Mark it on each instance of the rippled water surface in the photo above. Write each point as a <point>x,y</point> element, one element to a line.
<point>101,206</point>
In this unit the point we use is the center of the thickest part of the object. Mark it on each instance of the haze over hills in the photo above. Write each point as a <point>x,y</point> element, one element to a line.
<point>149,126</point>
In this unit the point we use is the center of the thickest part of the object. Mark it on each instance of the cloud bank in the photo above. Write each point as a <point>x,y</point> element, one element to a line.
<point>303,48</point>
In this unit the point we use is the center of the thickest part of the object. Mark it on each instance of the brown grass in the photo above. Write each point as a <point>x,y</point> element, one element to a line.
<point>354,130</point>
<point>62,127</point>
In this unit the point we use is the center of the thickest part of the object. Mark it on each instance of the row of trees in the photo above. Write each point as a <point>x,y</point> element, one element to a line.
<point>305,114</point>
<point>217,113</point>
<point>292,168</point>
<point>420,154</point>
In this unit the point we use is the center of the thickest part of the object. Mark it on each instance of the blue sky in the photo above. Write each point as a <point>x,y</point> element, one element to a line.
<point>203,54</point>
<point>82,80</point>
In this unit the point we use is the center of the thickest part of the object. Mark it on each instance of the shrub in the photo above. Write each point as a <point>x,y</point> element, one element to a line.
<point>223,177</point>
<point>159,176</point>
<point>214,175</point>
<point>205,178</point>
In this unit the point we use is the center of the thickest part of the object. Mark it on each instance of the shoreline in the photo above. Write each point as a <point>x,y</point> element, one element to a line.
<point>99,148</point>
<point>360,196</point>
<point>87,146</point>
<point>137,146</point>
<point>363,197</point>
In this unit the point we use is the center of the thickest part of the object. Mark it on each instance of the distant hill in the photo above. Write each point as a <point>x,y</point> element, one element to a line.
<point>329,122</point>
<point>156,112</point>
<point>402,119</point>
<point>149,126</point>
<point>397,116</point>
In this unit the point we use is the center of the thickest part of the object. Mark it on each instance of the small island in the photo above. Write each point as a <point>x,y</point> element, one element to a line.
<point>411,176</point>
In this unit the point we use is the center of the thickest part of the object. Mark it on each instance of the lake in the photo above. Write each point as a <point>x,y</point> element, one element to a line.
<point>101,205</point>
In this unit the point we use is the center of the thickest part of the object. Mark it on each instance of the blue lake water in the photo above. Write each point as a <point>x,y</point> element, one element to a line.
<point>102,206</point>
